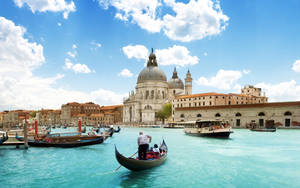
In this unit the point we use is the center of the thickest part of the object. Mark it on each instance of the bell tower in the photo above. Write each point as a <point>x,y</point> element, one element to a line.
<point>188,83</point>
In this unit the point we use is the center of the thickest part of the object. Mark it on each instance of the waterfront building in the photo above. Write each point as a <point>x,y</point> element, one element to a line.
<point>48,117</point>
<point>280,114</point>
<point>91,114</point>
<point>15,118</point>
<point>71,111</point>
<point>152,91</point>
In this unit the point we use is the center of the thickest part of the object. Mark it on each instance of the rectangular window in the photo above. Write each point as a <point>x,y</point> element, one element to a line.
<point>287,122</point>
<point>261,122</point>
<point>238,122</point>
<point>203,103</point>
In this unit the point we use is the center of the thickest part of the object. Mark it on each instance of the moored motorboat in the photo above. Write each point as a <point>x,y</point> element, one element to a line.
<point>138,165</point>
<point>215,129</point>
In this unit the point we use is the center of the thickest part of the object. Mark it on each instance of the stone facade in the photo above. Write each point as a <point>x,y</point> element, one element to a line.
<point>15,118</point>
<point>48,117</point>
<point>283,114</point>
<point>152,92</point>
<point>91,114</point>
<point>247,96</point>
<point>70,111</point>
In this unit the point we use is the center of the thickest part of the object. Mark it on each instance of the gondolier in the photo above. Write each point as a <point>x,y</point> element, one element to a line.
<point>143,143</point>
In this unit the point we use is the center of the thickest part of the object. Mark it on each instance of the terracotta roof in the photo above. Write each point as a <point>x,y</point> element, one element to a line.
<point>110,107</point>
<point>272,104</point>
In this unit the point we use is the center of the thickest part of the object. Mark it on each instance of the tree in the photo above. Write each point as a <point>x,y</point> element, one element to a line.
<point>33,114</point>
<point>165,112</point>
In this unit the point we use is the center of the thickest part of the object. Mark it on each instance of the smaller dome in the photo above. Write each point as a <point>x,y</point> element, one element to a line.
<point>175,82</point>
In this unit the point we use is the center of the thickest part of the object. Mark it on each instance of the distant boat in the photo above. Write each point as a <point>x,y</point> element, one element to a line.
<point>155,126</point>
<point>53,127</point>
<point>4,137</point>
<point>215,129</point>
<point>118,130</point>
<point>138,165</point>
<point>20,138</point>
<point>263,129</point>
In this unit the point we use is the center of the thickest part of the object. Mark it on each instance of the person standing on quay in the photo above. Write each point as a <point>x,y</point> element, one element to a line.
<point>143,142</point>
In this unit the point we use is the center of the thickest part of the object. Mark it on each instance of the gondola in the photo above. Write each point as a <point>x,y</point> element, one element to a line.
<point>20,138</point>
<point>4,137</point>
<point>77,143</point>
<point>138,165</point>
<point>118,130</point>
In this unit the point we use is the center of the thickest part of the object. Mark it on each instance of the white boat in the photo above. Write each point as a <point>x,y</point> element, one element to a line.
<point>208,128</point>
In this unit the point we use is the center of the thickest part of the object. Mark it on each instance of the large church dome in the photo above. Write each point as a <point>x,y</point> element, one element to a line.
<point>151,72</point>
<point>175,82</point>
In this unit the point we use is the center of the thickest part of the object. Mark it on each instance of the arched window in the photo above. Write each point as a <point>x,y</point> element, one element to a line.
<point>199,115</point>
<point>152,94</point>
<point>238,114</point>
<point>218,115</point>
<point>261,114</point>
<point>287,113</point>
<point>148,107</point>
<point>182,115</point>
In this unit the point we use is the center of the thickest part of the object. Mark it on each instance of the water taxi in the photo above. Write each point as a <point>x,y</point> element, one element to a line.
<point>216,129</point>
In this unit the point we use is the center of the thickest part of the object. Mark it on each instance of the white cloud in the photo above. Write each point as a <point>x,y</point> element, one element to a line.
<point>95,45</point>
<point>125,73</point>
<point>296,66</point>
<point>141,12</point>
<point>194,20</point>
<point>176,55</point>
<point>77,68</point>
<point>48,5</point>
<point>59,24</point>
<point>21,89</point>
<point>72,54</point>
<point>225,79</point>
<point>74,46</point>
<point>137,51</point>
<point>17,54</point>
<point>283,91</point>
<point>246,71</point>
<point>205,54</point>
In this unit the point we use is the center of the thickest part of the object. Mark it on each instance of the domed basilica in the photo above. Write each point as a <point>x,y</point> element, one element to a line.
<point>152,92</point>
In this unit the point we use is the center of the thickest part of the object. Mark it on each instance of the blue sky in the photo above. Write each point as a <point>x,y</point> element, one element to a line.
<point>77,50</point>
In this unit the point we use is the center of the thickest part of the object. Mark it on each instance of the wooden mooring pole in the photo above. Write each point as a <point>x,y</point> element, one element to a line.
<point>25,134</point>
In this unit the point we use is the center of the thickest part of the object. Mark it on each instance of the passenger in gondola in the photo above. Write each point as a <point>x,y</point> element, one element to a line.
<point>155,149</point>
<point>143,143</point>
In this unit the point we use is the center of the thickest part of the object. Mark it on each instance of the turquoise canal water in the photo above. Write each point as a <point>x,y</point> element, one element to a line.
<point>248,159</point>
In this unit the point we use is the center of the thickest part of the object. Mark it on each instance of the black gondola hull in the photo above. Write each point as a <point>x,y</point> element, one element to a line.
<point>212,135</point>
<point>67,144</point>
<point>138,165</point>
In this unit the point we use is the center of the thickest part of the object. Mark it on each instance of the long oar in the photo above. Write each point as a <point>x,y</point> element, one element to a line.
<point>121,165</point>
